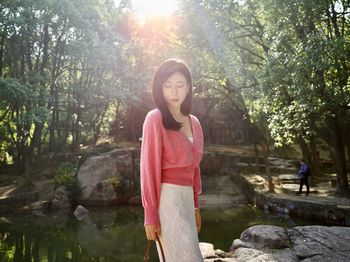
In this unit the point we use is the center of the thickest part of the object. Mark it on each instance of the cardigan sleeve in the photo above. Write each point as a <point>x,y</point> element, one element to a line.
<point>197,187</point>
<point>150,169</point>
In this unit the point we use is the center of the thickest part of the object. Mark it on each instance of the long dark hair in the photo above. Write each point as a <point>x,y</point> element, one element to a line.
<point>164,71</point>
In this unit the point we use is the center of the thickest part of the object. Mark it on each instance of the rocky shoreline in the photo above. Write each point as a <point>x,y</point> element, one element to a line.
<point>273,244</point>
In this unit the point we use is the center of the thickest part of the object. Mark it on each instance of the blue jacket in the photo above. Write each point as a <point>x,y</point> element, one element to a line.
<point>303,170</point>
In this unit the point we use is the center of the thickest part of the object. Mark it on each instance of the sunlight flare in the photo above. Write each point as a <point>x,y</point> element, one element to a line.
<point>153,8</point>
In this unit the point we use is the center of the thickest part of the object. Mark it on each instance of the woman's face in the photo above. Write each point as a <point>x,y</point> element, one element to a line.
<point>175,90</point>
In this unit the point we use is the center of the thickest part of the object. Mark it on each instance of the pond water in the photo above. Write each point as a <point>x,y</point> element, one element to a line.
<point>113,234</point>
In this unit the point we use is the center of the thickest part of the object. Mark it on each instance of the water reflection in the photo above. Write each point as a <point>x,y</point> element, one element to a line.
<point>114,234</point>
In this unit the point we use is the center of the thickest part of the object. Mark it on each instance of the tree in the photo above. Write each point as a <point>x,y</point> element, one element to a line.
<point>307,74</point>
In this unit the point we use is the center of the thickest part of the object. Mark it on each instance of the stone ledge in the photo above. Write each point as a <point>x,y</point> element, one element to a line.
<point>267,243</point>
<point>327,210</point>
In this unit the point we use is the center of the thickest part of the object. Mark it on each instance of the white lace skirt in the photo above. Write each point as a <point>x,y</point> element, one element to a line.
<point>178,226</point>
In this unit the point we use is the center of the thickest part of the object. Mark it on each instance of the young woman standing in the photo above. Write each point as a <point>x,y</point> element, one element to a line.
<point>171,150</point>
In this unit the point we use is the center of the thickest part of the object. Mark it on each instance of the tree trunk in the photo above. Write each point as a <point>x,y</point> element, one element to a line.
<point>346,135</point>
<point>68,121</point>
<point>98,123</point>
<point>28,159</point>
<point>52,105</point>
<point>348,147</point>
<point>266,154</point>
<point>257,158</point>
<point>42,99</point>
<point>2,44</point>
<point>332,136</point>
<point>315,164</point>
<point>19,164</point>
<point>131,124</point>
<point>116,123</point>
<point>338,153</point>
<point>76,128</point>
<point>306,155</point>
<point>52,130</point>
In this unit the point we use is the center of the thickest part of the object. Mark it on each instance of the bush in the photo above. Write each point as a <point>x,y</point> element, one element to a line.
<point>65,175</point>
<point>119,184</point>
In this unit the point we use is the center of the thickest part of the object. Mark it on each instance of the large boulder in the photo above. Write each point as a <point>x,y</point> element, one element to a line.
<point>307,243</point>
<point>106,179</point>
<point>262,236</point>
<point>320,243</point>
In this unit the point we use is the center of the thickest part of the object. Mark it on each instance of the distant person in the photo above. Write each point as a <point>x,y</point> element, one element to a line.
<point>171,150</point>
<point>304,174</point>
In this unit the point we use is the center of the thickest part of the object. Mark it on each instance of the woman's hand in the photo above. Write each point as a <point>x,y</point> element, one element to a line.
<point>152,231</point>
<point>197,213</point>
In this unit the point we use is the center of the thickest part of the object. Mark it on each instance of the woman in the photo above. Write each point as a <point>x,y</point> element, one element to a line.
<point>171,150</point>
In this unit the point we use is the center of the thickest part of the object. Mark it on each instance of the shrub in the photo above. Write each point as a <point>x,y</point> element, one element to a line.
<point>119,184</point>
<point>65,175</point>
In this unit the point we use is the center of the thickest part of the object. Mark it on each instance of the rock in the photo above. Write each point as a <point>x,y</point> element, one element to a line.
<point>61,199</point>
<point>220,260</point>
<point>220,253</point>
<point>207,250</point>
<point>252,255</point>
<point>37,205</point>
<point>105,178</point>
<point>237,243</point>
<point>307,243</point>
<point>104,192</point>
<point>321,243</point>
<point>262,236</point>
<point>81,212</point>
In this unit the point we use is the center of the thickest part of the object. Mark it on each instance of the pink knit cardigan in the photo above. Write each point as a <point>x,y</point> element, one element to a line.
<point>168,156</point>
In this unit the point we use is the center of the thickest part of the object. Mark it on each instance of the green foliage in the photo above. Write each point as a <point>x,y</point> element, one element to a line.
<point>70,67</point>
<point>301,82</point>
<point>12,91</point>
<point>120,185</point>
<point>65,175</point>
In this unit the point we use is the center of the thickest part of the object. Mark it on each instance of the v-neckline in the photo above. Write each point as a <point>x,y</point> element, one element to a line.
<point>191,125</point>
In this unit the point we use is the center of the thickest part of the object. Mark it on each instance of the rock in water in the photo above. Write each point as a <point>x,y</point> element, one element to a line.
<point>61,200</point>
<point>81,212</point>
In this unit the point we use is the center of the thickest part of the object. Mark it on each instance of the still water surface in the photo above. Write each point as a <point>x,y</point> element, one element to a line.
<point>113,234</point>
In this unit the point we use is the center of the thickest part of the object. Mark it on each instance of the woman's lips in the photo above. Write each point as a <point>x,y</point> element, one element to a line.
<point>174,100</point>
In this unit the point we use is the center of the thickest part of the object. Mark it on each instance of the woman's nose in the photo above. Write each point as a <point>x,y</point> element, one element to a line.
<point>174,90</point>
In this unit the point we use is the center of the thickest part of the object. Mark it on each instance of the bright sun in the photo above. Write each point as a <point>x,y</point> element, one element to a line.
<point>149,8</point>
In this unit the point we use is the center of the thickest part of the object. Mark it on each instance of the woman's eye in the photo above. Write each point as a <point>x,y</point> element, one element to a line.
<point>180,86</point>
